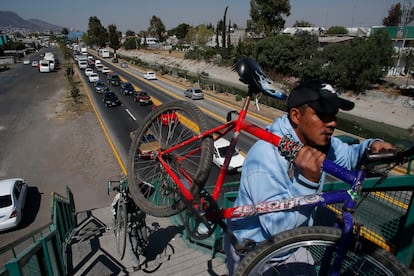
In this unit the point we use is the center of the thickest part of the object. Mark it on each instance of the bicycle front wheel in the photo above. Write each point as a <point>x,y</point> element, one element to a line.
<point>120,228</point>
<point>302,250</point>
<point>149,181</point>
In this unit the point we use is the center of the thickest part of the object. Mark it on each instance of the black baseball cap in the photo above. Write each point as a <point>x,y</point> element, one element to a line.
<point>322,97</point>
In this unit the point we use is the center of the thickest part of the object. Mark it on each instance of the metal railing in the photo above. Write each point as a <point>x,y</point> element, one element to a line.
<point>42,251</point>
<point>393,199</point>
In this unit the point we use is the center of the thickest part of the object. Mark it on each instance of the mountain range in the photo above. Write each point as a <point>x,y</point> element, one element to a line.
<point>8,18</point>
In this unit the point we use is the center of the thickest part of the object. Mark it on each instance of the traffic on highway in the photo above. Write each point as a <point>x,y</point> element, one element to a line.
<point>120,120</point>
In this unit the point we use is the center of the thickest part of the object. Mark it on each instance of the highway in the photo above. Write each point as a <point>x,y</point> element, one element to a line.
<point>121,120</point>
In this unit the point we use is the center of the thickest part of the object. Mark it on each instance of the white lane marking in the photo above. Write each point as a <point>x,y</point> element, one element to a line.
<point>130,114</point>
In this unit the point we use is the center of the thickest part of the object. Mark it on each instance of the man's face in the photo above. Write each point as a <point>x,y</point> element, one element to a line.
<point>315,129</point>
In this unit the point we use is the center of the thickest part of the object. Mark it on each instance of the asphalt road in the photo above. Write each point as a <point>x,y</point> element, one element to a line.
<point>50,144</point>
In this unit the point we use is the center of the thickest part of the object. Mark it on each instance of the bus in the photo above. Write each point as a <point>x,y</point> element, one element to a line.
<point>104,53</point>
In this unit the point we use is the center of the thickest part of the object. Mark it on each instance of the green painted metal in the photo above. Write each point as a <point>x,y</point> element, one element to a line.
<point>44,256</point>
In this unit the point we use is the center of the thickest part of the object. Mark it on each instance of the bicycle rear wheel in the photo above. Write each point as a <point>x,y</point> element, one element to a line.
<point>276,257</point>
<point>152,188</point>
<point>120,228</point>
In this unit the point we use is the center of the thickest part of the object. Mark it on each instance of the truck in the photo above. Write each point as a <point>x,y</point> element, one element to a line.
<point>51,58</point>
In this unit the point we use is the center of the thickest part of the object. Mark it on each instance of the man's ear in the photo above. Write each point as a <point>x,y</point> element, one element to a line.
<point>294,115</point>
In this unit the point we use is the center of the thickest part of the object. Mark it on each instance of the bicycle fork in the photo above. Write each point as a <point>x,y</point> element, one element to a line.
<point>342,247</point>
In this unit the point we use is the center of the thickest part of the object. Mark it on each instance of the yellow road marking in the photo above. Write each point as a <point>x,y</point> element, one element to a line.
<point>108,138</point>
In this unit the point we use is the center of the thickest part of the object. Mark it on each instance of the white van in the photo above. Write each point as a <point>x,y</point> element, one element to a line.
<point>44,66</point>
<point>82,64</point>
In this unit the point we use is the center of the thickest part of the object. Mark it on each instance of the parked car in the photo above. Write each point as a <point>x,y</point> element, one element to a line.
<point>127,88</point>
<point>93,77</point>
<point>105,70</point>
<point>113,79</point>
<point>88,71</point>
<point>111,99</point>
<point>115,60</point>
<point>124,64</point>
<point>150,75</point>
<point>35,63</point>
<point>13,193</point>
<point>142,98</point>
<point>221,146</point>
<point>100,86</point>
<point>194,93</point>
<point>26,61</point>
<point>167,118</point>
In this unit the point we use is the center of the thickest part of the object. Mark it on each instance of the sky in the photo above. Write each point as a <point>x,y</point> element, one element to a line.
<point>135,15</point>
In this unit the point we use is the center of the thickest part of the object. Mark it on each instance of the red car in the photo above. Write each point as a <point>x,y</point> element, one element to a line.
<point>167,118</point>
<point>142,98</point>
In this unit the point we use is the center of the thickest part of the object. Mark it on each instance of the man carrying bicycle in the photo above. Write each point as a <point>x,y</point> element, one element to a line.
<point>267,175</point>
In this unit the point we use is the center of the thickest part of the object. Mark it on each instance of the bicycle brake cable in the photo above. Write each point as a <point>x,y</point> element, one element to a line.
<point>256,100</point>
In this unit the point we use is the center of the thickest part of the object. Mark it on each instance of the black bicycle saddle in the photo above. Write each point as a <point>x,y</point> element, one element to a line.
<point>251,74</point>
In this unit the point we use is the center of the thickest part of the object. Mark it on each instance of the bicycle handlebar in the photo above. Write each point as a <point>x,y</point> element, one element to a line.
<point>289,149</point>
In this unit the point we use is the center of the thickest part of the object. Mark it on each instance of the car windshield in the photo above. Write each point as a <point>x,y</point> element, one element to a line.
<point>5,201</point>
<point>223,150</point>
<point>197,91</point>
<point>143,94</point>
<point>147,138</point>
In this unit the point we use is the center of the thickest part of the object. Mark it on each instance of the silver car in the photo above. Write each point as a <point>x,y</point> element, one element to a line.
<point>194,93</point>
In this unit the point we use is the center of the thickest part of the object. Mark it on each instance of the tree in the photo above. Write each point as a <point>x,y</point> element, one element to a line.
<point>199,35</point>
<point>114,38</point>
<point>129,33</point>
<point>180,31</point>
<point>303,23</point>
<point>276,53</point>
<point>157,28</point>
<point>131,43</point>
<point>97,34</point>
<point>223,30</point>
<point>394,16</point>
<point>337,30</point>
<point>267,15</point>
<point>65,31</point>
<point>220,26</point>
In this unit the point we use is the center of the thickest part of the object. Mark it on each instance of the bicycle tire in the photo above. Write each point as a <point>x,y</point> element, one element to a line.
<point>120,229</point>
<point>151,187</point>
<point>373,260</point>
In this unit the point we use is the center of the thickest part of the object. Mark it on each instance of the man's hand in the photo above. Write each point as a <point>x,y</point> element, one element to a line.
<point>378,146</point>
<point>309,162</point>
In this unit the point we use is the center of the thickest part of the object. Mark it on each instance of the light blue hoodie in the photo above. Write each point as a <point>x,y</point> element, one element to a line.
<point>265,177</point>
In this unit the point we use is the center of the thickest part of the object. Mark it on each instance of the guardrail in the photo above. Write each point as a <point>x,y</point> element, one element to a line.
<point>392,231</point>
<point>42,251</point>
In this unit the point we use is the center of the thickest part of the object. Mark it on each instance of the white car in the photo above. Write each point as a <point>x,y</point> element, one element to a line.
<point>221,146</point>
<point>150,75</point>
<point>26,62</point>
<point>13,193</point>
<point>105,70</point>
<point>93,77</point>
<point>88,71</point>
